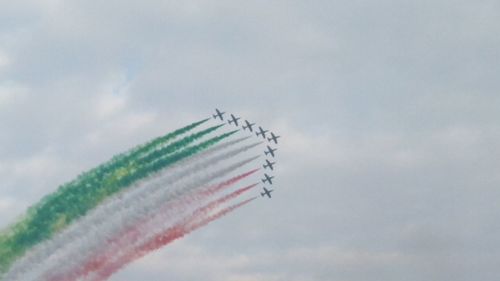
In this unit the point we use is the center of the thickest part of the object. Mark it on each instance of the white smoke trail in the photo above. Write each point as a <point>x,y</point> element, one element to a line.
<point>155,222</point>
<point>95,216</point>
<point>114,204</point>
<point>162,236</point>
<point>103,212</point>
<point>97,238</point>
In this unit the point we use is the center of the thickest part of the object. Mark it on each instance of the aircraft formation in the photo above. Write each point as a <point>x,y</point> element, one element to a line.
<point>270,152</point>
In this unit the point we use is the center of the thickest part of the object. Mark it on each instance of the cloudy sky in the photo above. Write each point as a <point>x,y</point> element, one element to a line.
<point>388,168</point>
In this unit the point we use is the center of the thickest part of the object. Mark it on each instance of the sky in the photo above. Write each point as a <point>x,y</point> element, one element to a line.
<point>388,111</point>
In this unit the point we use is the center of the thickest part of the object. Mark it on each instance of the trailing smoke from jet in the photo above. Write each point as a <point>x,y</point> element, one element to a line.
<point>136,202</point>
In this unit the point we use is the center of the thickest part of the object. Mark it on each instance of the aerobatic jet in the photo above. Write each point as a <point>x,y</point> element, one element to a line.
<point>269,165</point>
<point>273,138</point>
<point>218,114</point>
<point>261,132</point>
<point>248,125</point>
<point>266,192</point>
<point>270,151</point>
<point>267,178</point>
<point>233,120</point>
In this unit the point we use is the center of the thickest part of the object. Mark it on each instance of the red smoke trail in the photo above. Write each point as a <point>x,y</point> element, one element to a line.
<point>198,219</point>
<point>220,214</point>
<point>134,232</point>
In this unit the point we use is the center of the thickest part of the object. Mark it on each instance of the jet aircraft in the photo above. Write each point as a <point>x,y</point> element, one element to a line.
<point>270,151</point>
<point>273,138</point>
<point>266,192</point>
<point>248,125</point>
<point>267,178</point>
<point>269,165</point>
<point>261,132</point>
<point>218,114</point>
<point>233,120</point>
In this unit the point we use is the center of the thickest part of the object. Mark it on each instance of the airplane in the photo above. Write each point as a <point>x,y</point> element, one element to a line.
<point>273,138</point>
<point>218,114</point>
<point>262,132</point>
<point>233,120</point>
<point>269,164</point>
<point>267,178</point>
<point>270,151</point>
<point>266,192</point>
<point>248,125</point>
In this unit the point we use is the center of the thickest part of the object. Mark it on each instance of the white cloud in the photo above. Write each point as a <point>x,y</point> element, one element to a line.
<point>6,204</point>
<point>11,93</point>
<point>10,207</point>
<point>108,104</point>
<point>4,60</point>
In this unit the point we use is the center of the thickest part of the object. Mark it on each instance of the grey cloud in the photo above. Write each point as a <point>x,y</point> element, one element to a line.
<point>388,112</point>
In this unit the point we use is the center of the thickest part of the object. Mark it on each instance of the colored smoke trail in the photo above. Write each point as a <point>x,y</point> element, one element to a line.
<point>130,236</point>
<point>113,214</point>
<point>117,205</point>
<point>71,200</point>
<point>199,218</point>
<point>80,247</point>
<point>157,142</point>
<point>100,170</point>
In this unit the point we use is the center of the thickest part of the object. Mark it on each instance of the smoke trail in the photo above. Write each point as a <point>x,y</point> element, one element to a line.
<point>117,159</point>
<point>136,171</point>
<point>80,251</point>
<point>74,200</point>
<point>135,153</point>
<point>95,237</point>
<point>163,151</point>
<point>198,219</point>
<point>128,237</point>
<point>158,142</point>
<point>102,213</point>
<point>57,210</point>
<point>106,167</point>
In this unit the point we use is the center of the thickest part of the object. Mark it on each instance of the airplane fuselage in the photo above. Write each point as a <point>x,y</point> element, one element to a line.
<point>267,178</point>
<point>261,132</point>
<point>270,151</point>
<point>233,120</point>
<point>218,114</point>
<point>273,138</point>
<point>266,192</point>
<point>248,126</point>
<point>269,165</point>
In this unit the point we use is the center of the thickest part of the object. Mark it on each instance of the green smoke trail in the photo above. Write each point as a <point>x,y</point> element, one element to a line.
<point>122,159</point>
<point>109,167</point>
<point>66,207</point>
<point>104,181</point>
<point>76,198</point>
